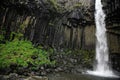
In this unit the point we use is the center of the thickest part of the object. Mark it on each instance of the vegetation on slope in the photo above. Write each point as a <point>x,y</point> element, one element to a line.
<point>22,53</point>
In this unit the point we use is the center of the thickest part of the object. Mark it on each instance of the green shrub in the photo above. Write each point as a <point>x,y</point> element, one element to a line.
<point>86,56</point>
<point>54,4</point>
<point>22,53</point>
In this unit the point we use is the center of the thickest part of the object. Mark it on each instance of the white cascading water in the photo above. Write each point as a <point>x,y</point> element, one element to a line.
<point>102,55</point>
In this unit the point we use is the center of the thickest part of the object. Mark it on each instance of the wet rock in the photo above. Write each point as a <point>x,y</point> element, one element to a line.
<point>73,60</point>
<point>43,73</point>
<point>13,76</point>
<point>79,70</point>
<point>64,62</point>
<point>32,73</point>
<point>5,71</point>
<point>48,70</point>
<point>115,61</point>
<point>42,68</point>
<point>2,77</point>
<point>36,78</point>
<point>59,69</point>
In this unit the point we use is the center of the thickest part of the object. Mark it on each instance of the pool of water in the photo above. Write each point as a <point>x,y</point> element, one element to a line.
<point>64,76</point>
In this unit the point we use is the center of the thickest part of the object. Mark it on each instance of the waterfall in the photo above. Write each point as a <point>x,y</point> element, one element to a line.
<point>101,39</point>
<point>102,55</point>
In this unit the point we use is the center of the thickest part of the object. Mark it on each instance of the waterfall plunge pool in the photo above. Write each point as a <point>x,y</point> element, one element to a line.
<point>70,76</point>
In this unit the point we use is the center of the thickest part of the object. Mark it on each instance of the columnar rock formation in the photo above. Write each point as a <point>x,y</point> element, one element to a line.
<point>57,23</point>
<point>112,9</point>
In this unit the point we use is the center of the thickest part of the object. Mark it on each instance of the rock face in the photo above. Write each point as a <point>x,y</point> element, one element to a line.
<point>112,9</point>
<point>57,23</point>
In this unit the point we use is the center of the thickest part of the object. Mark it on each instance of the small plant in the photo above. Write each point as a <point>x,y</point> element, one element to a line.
<point>56,6</point>
<point>86,56</point>
<point>54,3</point>
<point>1,37</point>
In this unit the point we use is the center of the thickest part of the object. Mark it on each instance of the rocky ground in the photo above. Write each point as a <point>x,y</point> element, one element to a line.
<point>67,63</point>
<point>14,76</point>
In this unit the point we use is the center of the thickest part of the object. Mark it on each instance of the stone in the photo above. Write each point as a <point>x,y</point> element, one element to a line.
<point>59,69</point>
<point>42,68</point>
<point>43,73</point>
<point>13,76</point>
<point>36,78</point>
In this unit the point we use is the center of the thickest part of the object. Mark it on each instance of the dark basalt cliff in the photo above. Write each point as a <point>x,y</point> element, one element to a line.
<point>112,10</point>
<point>58,23</point>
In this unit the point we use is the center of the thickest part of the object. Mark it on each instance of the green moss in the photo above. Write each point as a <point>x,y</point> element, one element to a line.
<point>55,6</point>
<point>77,5</point>
<point>51,24</point>
<point>54,3</point>
<point>1,37</point>
<point>2,33</point>
<point>22,27</point>
<point>17,36</point>
<point>22,53</point>
<point>87,56</point>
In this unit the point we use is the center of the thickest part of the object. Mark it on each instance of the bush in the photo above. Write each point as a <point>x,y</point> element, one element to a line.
<point>22,53</point>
